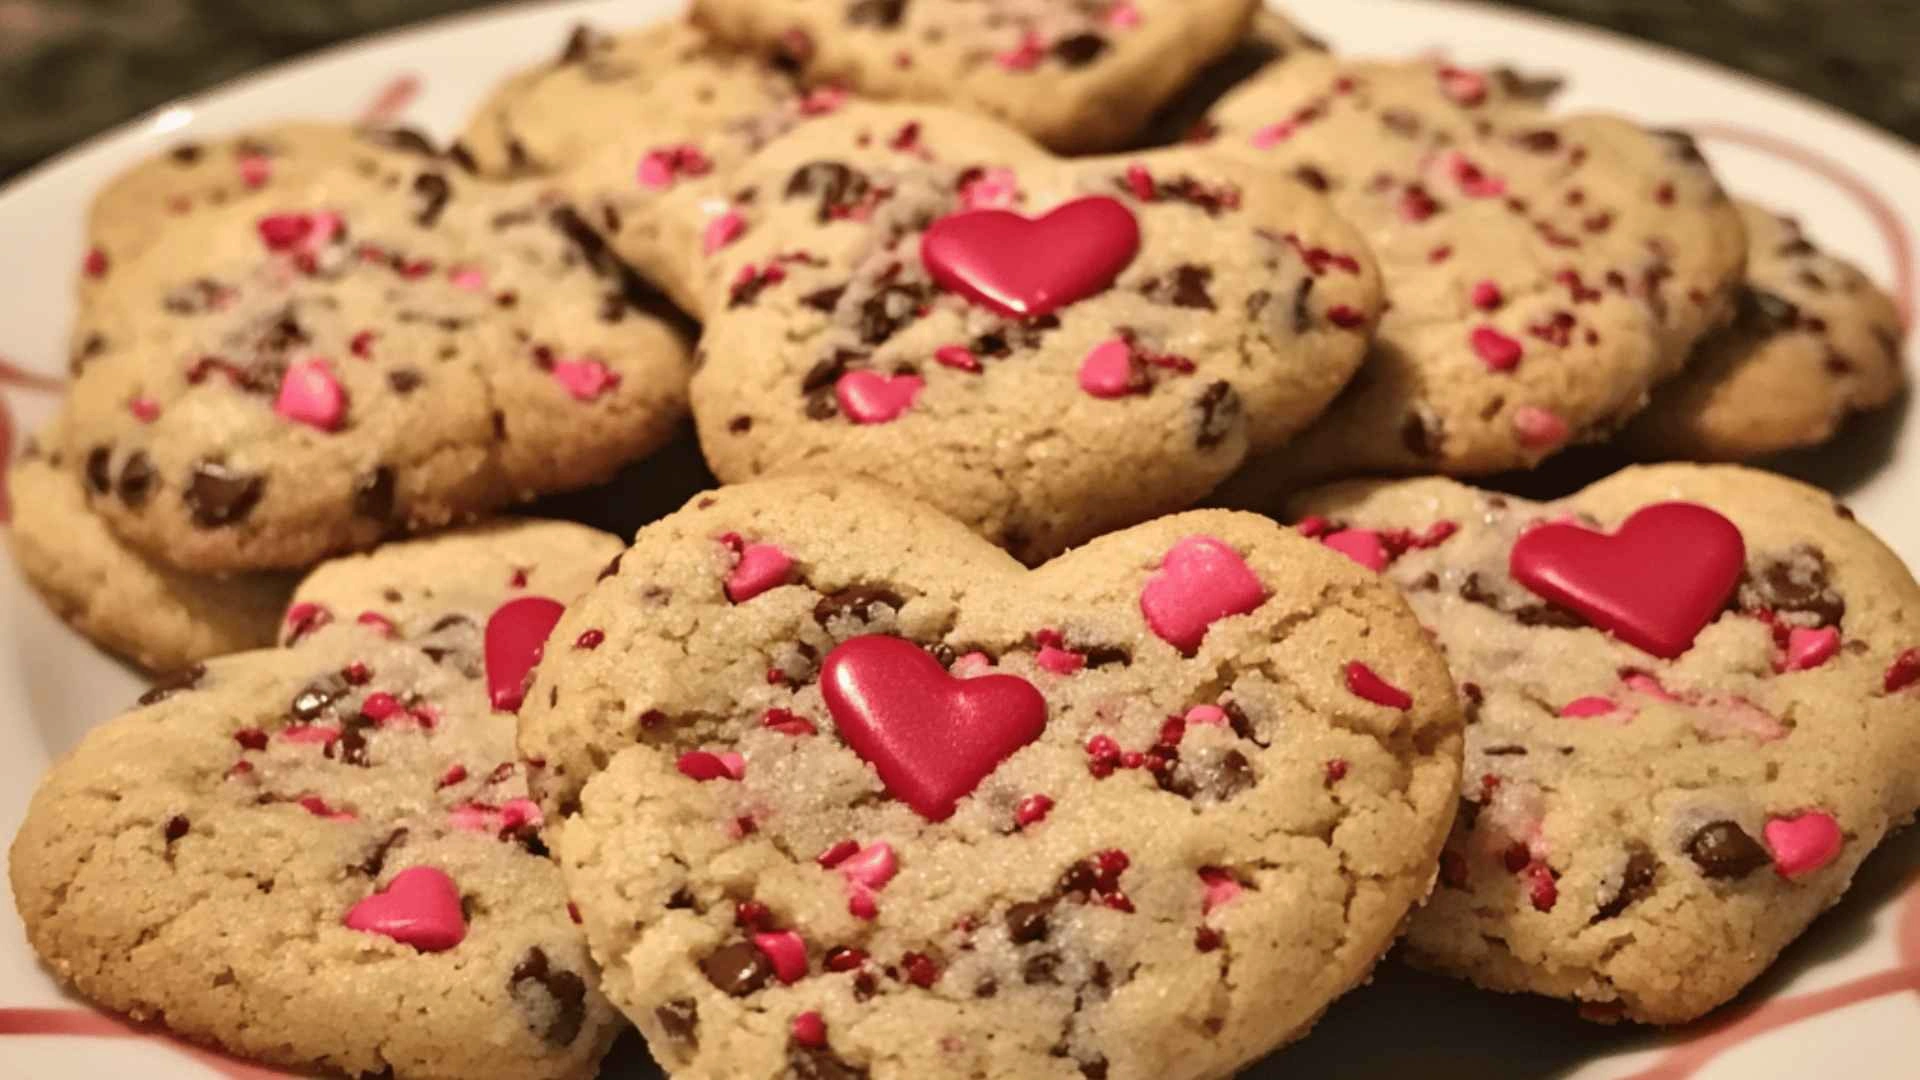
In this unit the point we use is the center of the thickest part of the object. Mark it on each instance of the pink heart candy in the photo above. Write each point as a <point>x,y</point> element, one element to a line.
<point>1222,889</point>
<point>1028,267</point>
<point>310,395</point>
<point>585,379</point>
<point>1201,581</point>
<point>1109,371</point>
<point>1804,842</point>
<point>1363,546</point>
<point>1808,649</point>
<point>872,866</point>
<point>786,951</point>
<point>419,907</point>
<point>867,397</point>
<point>761,567</point>
<point>516,634</point>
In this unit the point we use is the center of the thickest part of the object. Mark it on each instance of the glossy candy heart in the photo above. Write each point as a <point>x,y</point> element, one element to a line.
<point>1654,584</point>
<point>868,397</point>
<point>419,907</point>
<point>931,737</point>
<point>310,395</point>
<point>1026,267</point>
<point>1200,582</point>
<point>516,633</point>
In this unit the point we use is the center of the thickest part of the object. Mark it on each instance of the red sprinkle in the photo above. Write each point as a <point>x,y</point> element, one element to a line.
<point>810,1030</point>
<point>1345,316</point>
<point>1903,672</point>
<point>1140,181</point>
<point>837,854</point>
<point>786,723</point>
<point>1541,888</point>
<point>381,706</point>
<point>752,915</point>
<point>841,959</point>
<point>453,776</point>
<point>589,639</point>
<point>1336,771</point>
<point>921,970</point>
<point>1495,349</point>
<point>703,765</point>
<point>1487,296</point>
<point>95,264</point>
<point>1032,810</point>
<point>251,739</point>
<point>357,674</point>
<point>1364,683</point>
<point>1103,755</point>
<point>957,356</point>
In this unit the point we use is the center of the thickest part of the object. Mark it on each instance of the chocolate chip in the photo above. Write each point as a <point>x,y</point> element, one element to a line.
<point>174,683</point>
<point>1414,435</point>
<point>827,372</point>
<point>1797,583</point>
<point>1551,615</point>
<point>856,601</point>
<point>1028,922</point>
<point>886,311</point>
<point>1519,84</point>
<point>316,697</point>
<point>680,1018</point>
<point>99,469</point>
<point>434,192</point>
<point>611,568</point>
<point>136,480</point>
<point>1543,141</point>
<point>1257,302</point>
<point>1684,147</point>
<point>579,46</point>
<point>404,380</point>
<point>1231,776</point>
<point>824,300</point>
<point>1635,882</point>
<point>373,495</point>
<point>986,987</point>
<point>1079,50</point>
<point>460,154</point>
<point>839,187</point>
<point>1401,122</point>
<point>1723,849</point>
<point>1041,970</point>
<point>376,859</point>
<point>177,827</point>
<point>1094,1068</point>
<point>809,1063</point>
<point>738,969</point>
<point>409,140</point>
<point>792,52</point>
<point>219,495</point>
<point>881,13</point>
<point>1217,413</point>
<point>1099,656</point>
<point>1312,177</point>
<point>1302,306</point>
<point>1187,288</point>
<point>559,1019</point>
<point>1767,312</point>
<point>186,153</point>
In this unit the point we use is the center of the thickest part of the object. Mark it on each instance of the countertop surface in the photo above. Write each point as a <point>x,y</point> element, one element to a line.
<point>71,68</point>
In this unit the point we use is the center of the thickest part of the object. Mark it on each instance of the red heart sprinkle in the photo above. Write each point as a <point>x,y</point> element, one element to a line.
<point>1027,267</point>
<point>1808,649</point>
<point>310,395</point>
<point>1654,584</point>
<point>787,952</point>
<point>1221,888</point>
<point>1109,372</point>
<point>586,380</point>
<point>1363,682</point>
<point>1803,843</point>
<point>1362,546</point>
<point>931,737</point>
<point>1495,349</point>
<point>810,1030</point>
<point>516,634</point>
<point>419,907</point>
<point>1902,673</point>
<point>761,567</point>
<point>1201,581</point>
<point>868,397</point>
<point>704,765</point>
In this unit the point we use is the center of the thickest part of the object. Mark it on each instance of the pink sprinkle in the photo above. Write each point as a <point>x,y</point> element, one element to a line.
<point>317,806</point>
<point>787,952</point>
<point>585,379</point>
<point>95,264</point>
<point>823,100</point>
<point>1538,427</point>
<point>310,395</point>
<point>255,170</point>
<point>381,706</point>
<point>1362,682</point>
<point>284,232</point>
<point>1644,683</point>
<point>1487,296</point>
<point>1468,88</point>
<point>1222,889</point>
<point>810,1030</point>
<point>1495,349</point>
<point>868,397</point>
<point>145,410</point>
<point>378,622</point>
<point>1273,135</point>
<point>1313,525</point>
<point>1808,649</point>
<point>1140,182</point>
<point>840,852</point>
<point>474,817</point>
<point>521,813</point>
<point>704,765</point>
<point>1361,545</point>
<point>722,231</point>
<point>1108,372</point>
<point>957,356</point>
<point>1803,843</point>
<point>1210,715</point>
<point>470,278</point>
<point>656,170</point>
<point>993,189</point>
<point>1588,706</point>
<point>786,723</point>
<point>971,664</point>
<point>1738,718</point>
<point>1059,661</point>
<point>872,867</point>
<point>761,567</point>
<point>1027,56</point>
<point>1474,182</point>
<point>1417,206</point>
<point>1032,810</point>
<point>1122,16</point>
<point>1346,316</point>
<point>313,734</point>
<point>453,775</point>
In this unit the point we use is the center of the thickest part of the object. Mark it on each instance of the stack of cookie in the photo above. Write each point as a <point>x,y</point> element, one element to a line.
<point>949,740</point>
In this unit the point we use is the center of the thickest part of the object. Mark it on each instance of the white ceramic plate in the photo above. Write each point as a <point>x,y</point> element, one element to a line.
<point>1842,1002</point>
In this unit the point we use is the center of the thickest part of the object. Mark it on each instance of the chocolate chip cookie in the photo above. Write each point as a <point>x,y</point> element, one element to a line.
<point>898,808</point>
<point>1691,706</point>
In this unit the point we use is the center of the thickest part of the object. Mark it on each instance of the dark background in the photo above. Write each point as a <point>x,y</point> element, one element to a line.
<point>71,68</point>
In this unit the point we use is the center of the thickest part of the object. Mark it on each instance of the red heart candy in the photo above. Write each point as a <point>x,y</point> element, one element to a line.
<point>1201,581</point>
<point>419,907</point>
<point>1654,584</point>
<point>931,737</point>
<point>1026,267</point>
<point>516,633</point>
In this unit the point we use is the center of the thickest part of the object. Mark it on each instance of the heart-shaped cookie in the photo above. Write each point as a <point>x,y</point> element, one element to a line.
<point>310,841</point>
<point>1545,272</point>
<point>1046,349</point>
<point>914,779</point>
<point>1692,715</point>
